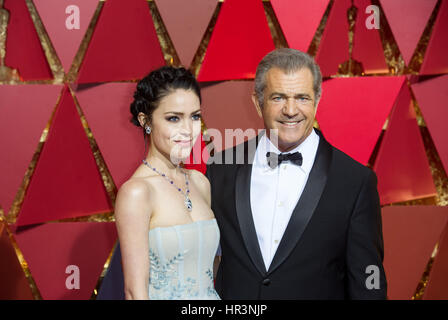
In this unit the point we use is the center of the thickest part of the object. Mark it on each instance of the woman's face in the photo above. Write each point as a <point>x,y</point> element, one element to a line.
<point>176,124</point>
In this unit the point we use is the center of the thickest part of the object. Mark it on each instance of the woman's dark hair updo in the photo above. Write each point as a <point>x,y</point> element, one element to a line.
<point>158,84</point>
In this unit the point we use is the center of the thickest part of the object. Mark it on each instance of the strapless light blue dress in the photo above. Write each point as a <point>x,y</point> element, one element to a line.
<point>181,261</point>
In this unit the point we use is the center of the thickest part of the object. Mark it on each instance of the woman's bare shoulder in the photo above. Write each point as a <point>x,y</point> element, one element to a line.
<point>134,196</point>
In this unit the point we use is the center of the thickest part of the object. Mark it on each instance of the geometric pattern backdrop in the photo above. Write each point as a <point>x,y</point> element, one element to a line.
<point>67,77</point>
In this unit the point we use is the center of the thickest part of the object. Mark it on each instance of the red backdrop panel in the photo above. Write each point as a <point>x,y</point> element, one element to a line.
<point>65,40</point>
<point>352,112</point>
<point>432,97</point>
<point>435,61</point>
<point>437,288</point>
<point>50,248</point>
<point>23,49</point>
<point>66,182</point>
<point>410,235</point>
<point>401,165</point>
<point>228,105</point>
<point>299,20</point>
<point>333,49</point>
<point>24,113</point>
<point>240,39</point>
<point>407,19</point>
<point>367,46</point>
<point>186,22</point>
<point>124,45</point>
<point>120,142</point>
<point>14,284</point>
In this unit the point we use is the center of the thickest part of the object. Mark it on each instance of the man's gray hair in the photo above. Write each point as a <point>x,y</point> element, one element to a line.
<point>288,60</point>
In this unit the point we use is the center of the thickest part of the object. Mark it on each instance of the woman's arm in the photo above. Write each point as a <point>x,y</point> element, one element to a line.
<point>132,215</point>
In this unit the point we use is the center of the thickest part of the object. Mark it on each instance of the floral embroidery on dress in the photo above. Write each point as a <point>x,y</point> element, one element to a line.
<point>164,278</point>
<point>211,288</point>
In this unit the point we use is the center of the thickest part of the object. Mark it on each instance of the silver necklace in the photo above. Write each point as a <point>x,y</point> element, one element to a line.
<point>187,201</point>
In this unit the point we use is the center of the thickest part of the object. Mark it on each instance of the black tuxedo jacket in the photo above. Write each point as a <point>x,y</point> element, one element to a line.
<point>333,236</point>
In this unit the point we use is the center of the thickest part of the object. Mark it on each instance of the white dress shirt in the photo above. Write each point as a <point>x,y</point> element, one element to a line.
<point>275,192</point>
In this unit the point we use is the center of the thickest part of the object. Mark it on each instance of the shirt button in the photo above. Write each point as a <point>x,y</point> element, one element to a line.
<point>284,167</point>
<point>280,204</point>
<point>276,241</point>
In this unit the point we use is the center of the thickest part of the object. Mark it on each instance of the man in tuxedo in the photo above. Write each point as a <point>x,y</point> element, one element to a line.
<point>299,219</point>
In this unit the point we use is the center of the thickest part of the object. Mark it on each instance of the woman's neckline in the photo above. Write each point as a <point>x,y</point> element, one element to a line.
<point>183,224</point>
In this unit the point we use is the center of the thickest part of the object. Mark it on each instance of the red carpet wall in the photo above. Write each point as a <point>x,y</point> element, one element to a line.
<point>66,144</point>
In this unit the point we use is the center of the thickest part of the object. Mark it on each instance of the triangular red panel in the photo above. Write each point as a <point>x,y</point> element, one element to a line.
<point>299,20</point>
<point>432,96</point>
<point>367,46</point>
<point>437,288</point>
<point>66,182</point>
<point>240,39</point>
<point>352,112</point>
<point>14,286</point>
<point>220,115</point>
<point>23,49</point>
<point>186,22</point>
<point>333,49</point>
<point>65,40</point>
<point>50,248</point>
<point>410,235</point>
<point>435,61</point>
<point>32,104</point>
<point>116,136</point>
<point>124,45</point>
<point>401,165</point>
<point>407,19</point>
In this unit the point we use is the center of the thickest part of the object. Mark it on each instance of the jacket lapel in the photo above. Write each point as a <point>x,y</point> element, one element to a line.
<point>243,208</point>
<point>306,205</point>
<point>244,213</point>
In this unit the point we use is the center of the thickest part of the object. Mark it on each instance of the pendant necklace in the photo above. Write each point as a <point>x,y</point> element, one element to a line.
<point>187,201</point>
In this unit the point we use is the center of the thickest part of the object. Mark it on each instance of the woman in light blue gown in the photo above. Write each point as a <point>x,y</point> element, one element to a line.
<point>167,231</point>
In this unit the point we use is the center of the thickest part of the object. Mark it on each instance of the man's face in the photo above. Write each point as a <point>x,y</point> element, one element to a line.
<point>289,106</point>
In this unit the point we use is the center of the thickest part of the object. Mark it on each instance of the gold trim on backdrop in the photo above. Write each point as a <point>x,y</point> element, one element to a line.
<point>169,51</point>
<point>439,175</point>
<point>103,273</point>
<point>50,53</point>
<point>26,270</point>
<point>394,59</point>
<point>419,53</point>
<point>7,74</point>
<point>72,74</point>
<point>20,195</point>
<point>376,149</point>
<point>418,113</point>
<point>392,54</point>
<point>107,216</point>
<point>315,43</point>
<point>274,26</point>
<point>200,52</point>
<point>420,290</point>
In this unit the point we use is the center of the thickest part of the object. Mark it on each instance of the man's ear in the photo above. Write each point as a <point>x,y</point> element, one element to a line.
<point>257,104</point>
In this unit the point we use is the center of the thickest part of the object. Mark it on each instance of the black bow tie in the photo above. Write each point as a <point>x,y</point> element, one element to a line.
<point>275,159</point>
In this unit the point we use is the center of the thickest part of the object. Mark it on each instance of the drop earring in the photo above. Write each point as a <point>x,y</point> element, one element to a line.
<point>148,129</point>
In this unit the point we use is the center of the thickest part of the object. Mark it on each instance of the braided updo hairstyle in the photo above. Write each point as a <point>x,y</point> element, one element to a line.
<point>158,84</point>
